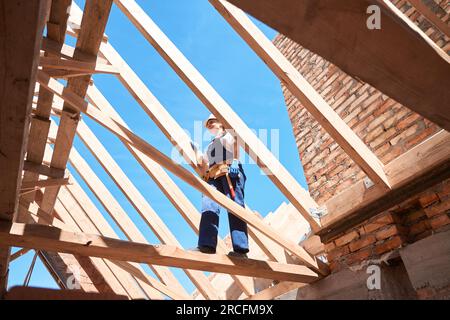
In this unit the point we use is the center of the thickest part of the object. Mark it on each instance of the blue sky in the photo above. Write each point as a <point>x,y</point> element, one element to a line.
<point>230,66</point>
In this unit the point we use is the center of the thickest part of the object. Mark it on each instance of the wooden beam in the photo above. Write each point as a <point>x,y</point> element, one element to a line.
<point>44,170</point>
<point>298,196</point>
<point>416,170</point>
<point>156,111</point>
<point>45,183</point>
<point>276,291</point>
<point>431,16</point>
<point>40,122</point>
<point>119,215</point>
<point>393,59</point>
<point>68,52</point>
<point>92,274</point>
<point>164,182</point>
<point>48,238</point>
<point>20,39</point>
<point>150,104</point>
<point>30,293</point>
<point>83,222</point>
<point>193,180</point>
<point>90,36</point>
<point>76,65</point>
<point>141,205</point>
<point>18,254</point>
<point>304,92</point>
<point>104,229</point>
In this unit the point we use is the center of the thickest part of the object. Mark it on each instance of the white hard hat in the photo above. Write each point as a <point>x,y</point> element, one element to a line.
<point>211,117</point>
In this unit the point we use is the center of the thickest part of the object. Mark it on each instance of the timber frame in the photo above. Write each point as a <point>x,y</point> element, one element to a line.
<point>44,208</point>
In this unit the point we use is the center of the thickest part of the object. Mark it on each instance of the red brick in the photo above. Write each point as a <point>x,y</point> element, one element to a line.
<point>379,222</point>
<point>346,238</point>
<point>406,122</point>
<point>389,231</point>
<point>388,245</point>
<point>361,243</point>
<point>437,209</point>
<point>358,256</point>
<point>412,141</point>
<point>440,221</point>
<point>445,191</point>
<point>428,198</point>
<point>337,252</point>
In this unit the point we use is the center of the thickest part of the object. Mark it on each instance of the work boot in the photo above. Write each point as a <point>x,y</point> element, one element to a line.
<point>235,254</point>
<point>207,250</point>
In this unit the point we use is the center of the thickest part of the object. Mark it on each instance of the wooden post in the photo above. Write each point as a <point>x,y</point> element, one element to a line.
<point>20,40</point>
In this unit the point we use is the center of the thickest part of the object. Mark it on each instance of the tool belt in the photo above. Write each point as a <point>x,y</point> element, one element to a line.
<point>216,171</point>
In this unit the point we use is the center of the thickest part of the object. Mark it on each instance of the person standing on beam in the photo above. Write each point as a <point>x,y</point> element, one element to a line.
<point>222,170</point>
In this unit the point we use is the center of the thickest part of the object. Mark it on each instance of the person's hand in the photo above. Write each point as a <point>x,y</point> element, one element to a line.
<point>233,170</point>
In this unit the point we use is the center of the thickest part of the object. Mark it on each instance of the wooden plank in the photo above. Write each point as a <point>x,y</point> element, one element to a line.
<point>193,180</point>
<point>48,238</point>
<point>45,183</point>
<point>150,104</point>
<point>416,170</point>
<point>337,31</point>
<point>20,39</point>
<point>83,222</point>
<point>298,196</point>
<point>18,254</point>
<point>31,293</point>
<point>141,205</point>
<point>156,111</point>
<point>431,16</point>
<point>92,28</point>
<point>40,123</point>
<point>76,65</point>
<point>165,183</point>
<point>91,274</point>
<point>276,291</point>
<point>45,170</point>
<point>68,52</point>
<point>117,213</point>
<point>304,92</point>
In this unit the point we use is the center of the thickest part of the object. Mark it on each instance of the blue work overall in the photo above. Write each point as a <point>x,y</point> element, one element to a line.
<point>209,223</point>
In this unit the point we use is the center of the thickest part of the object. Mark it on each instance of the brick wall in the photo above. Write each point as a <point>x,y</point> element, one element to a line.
<point>387,127</point>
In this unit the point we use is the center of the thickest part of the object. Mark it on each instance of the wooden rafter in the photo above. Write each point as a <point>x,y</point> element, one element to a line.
<point>304,92</point>
<point>431,16</point>
<point>20,39</point>
<point>142,206</point>
<point>90,36</point>
<point>117,213</point>
<point>298,196</point>
<point>163,180</point>
<point>76,66</point>
<point>97,221</point>
<point>414,171</point>
<point>53,239</point>
<point>382,58</point>
<point>40,122</point>
<point>132,139</point>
